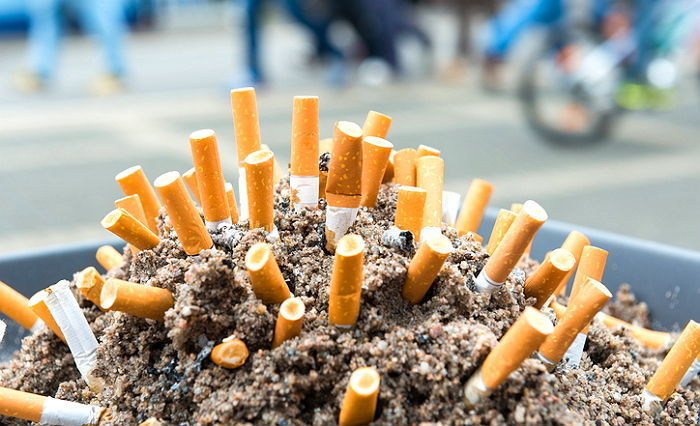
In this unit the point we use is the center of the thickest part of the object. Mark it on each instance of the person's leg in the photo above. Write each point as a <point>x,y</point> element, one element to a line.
<point>105,21</point>
<point>44,33</point>
<point>252,28</point>
<point>317,24</point>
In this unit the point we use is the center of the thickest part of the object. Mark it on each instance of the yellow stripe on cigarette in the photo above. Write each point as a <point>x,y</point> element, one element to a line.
<point>21,405</point>
<point>37,304</point>
<point>259,170</point>
<point>266,278</point>
<point>574,243</point>
<point>542,283</point>
<point>231,200</point>
<point>136,299</point>
<point>427,151</point>
<point>305,141</point>
<point>108,257</point>
<point>231,353</point>
<point>344,185</point>
<point>134,181</point>
<point>389,171</point>
<point>430,175</point>
<point>14,305</point>
<point>591,265</point>
<point>190,178</point>
<point>474,205</point>
<point>376,124</point>
<point>405,167</point>
<point>210,177</point>
<point>360,400</point>
<point>676,363</point>
<point>246,125</point>
<point>346,281</point>
<point>409,210</point>
<point>132,204</point>
<point>651,339</point>
<point>375,156</point>
<point>125,226</point>
<point>90,284</point>
<point>504,220</point>
<point>289,321</point>
<point>425,267</point>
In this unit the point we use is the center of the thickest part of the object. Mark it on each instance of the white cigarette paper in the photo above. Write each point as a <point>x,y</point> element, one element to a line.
<point>304,191</point>
<point>339,220</point>
<point>429,232</point>
<point>67,413</point>
<point>691,373</point>
<point>214,226</point>
<point>450,206</point>
<point>475,389</point>
<point>651,403</point>
<point>572,357</point>
<point>546,361</point>
<point>242,194</point>
<point>484,284</point>
<point>3,327</point>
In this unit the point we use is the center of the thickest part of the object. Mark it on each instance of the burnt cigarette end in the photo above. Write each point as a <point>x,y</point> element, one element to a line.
<point>398,239</point>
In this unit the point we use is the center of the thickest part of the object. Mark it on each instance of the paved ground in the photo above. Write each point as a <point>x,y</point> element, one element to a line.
<point>59,153</point>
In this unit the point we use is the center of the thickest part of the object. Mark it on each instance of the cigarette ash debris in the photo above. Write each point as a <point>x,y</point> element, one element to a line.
<point>424,353</point>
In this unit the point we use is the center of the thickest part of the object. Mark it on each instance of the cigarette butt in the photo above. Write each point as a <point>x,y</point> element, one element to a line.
<point>651,339</point>
<point>559,309</point>
<point>430,175</point>
<point>376,124</point>
<point>210,178</point>
<point>289,320</point>
<point>305,143</point>
<point>474,205</point>
<point>344,186</point>
<point>21,405</point>
<point>542,283</point>
<point>108,257</point>
<point>427,151</point>
<point>132,204</point>
<point>190,178</point>
<point>125,226</point>
<point>134,181</point>
<point>516,208</point>
<point>183,214</point>
<point>37,304</point>
<point>405,167</point>
<point>231,353</point>
<point>574,243</point>
<point>346,281</point>
<point>360,400</point>
<point>246,125</point>
<point>325,145</point>
<point>322,182</point>
<point>676,363</point>
<point>14,305</point>
<point>231,200</point>
<point>590,299</point>
<point>425,266</point>
<point>265,276</point>
<point>136,299</point>
<point>409,209</point>
<point>591,265</point>
<point>389,172</point>
<point>90,284</point>
<point>504,220</point>
<point>259,170</point>
<point>375,156</point>
<point>46,410</point>
<point>277,172</point>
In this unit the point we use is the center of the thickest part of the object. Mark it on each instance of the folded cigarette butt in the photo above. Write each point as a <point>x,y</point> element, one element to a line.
<point>510,250</point>
<point>574,243</point>
<point>376,124</point>
<point>246,125</point>
<point>230,353</point>
<point>37,303</point>
<point>504,219</point>
<point>409,209</point>
<point>389,172</point>
<point>265,276</point>
<point>474,205</point>
<point>134,181</point>
<point>426,151</point>
<point>591,265</point>
<point>346,281</point>
<point>590,299</point>
<point>15,306</point>
<point>325,145</point>
<point>289,320</point>
<point>183,214</point>
<point>305,142</point>
<point>90,284</point>
<point>360,400</point>
<point>260,188</point>
<point>430,175</point>
<point>190,178</point>
<point>343,188</point>
<point>136,299</point>
<point>108,257</point>
<point>450,207</point>
<point>125,226</point>
<point>47,410</point>
<point>210,177</point>
<point>405,167</point>
<point>542,283</point>
<point>425,267</point>
<point>676,363</point>
<point>375,156</point>
<point>651,339</point>
<point>231,200</point>
<point>132,204</point>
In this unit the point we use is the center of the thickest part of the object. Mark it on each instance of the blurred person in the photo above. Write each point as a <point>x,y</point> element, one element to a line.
<point>103,19</point>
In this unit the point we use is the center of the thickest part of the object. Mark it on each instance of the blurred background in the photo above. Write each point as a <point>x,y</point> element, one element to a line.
<point>589,107</point>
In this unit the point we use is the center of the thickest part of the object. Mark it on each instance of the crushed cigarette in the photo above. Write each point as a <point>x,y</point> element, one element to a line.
<point>210,178</point>
<point>230,353</point>
<point>134,181</point>
<point>360,400</point>
<point>289,321</point>
<point>136,299</point>
<point>123,225</point>
<point>266,278</point>
<point>15,306</point>
<point>346,281</point>
<point>90,284</point>
<point>108,257</point>
<point>425,267</point>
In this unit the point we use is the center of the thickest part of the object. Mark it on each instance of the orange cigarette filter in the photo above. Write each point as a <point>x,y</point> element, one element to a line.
<point>344,185</point>
<point>125,226</point>
<point>259,172</point>
<point>183,214</point>
<point>37,304</point>
<point>651,339</point>
<point>376,124</point>
<point>190,178</point>
<point>574,243</point>
<point>389,172</point>
<point>231,353</point>
<point>542,283</point>
<point>21,405</point>
<point>134,181</point>
<point>108,257</point>
<point>504,220</point>
<point>474,206</point>
<point>591,265</point>
<point>427,151</point>
<point>277,172</point>
<point>360,400</point>
<point>346,281</point>
<point>409,210</point>
<point>132,204</point>
<point>375,156</point>
<point>14,305</point>
<point>265,276</point>
<point>430,175</point>
<point>289,321</point>
<point>136,299</point>
<point>405,167</point>
<point>528,332</point>
<point>210,177</point>
<point>231,200</point>
<point>305,150</point>
<point>245,122</point>
<point>677,361</point>
<point>590,299</point>
<point>425,267</point>
<point>90,284</point>
<point>515,208</point>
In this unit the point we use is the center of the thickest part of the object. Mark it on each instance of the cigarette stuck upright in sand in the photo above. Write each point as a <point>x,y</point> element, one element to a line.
<point>14,305</point>
<point>375,156</point>
<point>542,283</point>
<point>504,219</point>
<point>265,276</point>
<point>360,400</point>
<point>425,267</point>
<point>183,214</point>
<point>510,250</point>
<point>389,171</point>
<point>405,167</point>
<point>90,284</point>
<point>134,181</point>
<point>210,178</point>
<point>409,210</point>
<point>125,226</point>
<point>46,410</point>
<point>574,243</point>
<point>376,124</point>
<point>260,182</point>
<point>591,265</point>
<point>190,178</point>
<point>450,207</point>
<point>246,127</point>
<point>231,200</point>
<point>346,281</point>
<point>427,151</point>
<point>523,338</point>
<point>430,175</point>
<point>132,204</point>
<point>108,257</point>
<point>136,299</point>
<point>474,206</point>
<point>303,171</point>
<point>289,321</point>
<point>230,353</point>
